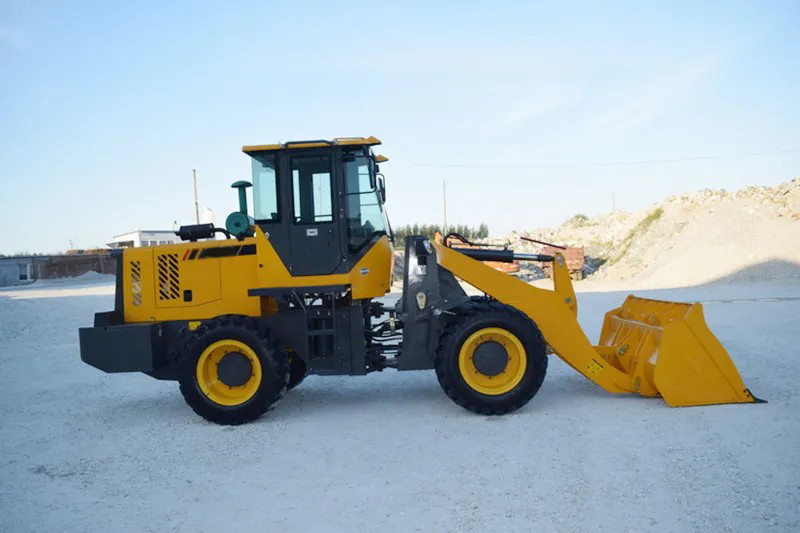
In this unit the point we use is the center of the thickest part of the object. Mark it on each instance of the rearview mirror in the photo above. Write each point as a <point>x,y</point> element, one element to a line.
<point>373,171</point>
<point>382,188</point>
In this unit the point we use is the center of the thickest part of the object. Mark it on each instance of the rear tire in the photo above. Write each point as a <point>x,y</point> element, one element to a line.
<point>231,373</point>
<point>491,358</point>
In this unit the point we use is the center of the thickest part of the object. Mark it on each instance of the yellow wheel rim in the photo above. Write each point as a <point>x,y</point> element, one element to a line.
<point>508,378</point>
<point>208,376</point>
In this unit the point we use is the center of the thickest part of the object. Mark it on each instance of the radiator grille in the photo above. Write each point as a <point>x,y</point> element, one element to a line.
<point>136,283</point>
<point>168,277</point>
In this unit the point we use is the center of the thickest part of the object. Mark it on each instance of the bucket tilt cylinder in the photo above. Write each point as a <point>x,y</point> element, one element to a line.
<point>501,256</point>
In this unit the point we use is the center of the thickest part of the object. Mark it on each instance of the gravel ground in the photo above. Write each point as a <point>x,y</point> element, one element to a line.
<point>84,451</point>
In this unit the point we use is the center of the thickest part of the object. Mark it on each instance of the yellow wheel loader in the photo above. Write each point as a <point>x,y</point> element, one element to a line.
<point>292,290</point>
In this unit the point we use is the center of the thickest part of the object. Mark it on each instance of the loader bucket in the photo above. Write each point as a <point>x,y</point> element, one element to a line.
<point>668,350</point>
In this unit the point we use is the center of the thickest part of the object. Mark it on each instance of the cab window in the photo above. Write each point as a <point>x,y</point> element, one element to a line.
<point>312,189</point>
<point>365,214</point>
<point>265,189</point>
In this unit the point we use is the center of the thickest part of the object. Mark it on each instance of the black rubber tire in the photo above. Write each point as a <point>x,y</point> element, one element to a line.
<point>472,316</point>
<point>274,370</point>
<point>297,371</point>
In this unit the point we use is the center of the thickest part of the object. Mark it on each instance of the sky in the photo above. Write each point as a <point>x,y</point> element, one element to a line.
<point>530,112</point>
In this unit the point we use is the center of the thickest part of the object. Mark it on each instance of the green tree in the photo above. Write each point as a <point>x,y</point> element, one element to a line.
<point>429,230</point>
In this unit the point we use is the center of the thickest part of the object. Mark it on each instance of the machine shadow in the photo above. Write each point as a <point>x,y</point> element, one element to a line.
<point>345,395</point>
<point>420,392</point>
<point>360,392</point>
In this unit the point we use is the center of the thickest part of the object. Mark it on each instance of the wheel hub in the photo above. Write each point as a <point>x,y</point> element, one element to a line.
<point>492,361</point>
<point>234,369</point>
<point>490,358</point>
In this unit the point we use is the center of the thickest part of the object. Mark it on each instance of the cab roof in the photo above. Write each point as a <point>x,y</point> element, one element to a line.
<point>294,145</point>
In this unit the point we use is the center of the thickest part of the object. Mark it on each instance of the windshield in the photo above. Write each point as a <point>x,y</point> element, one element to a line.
<point>365,214</point>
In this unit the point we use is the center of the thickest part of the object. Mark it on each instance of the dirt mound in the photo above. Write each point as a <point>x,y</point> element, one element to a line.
<point>87,278</point>
<point>700,237</point>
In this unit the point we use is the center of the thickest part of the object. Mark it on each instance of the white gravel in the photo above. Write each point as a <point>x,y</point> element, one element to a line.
<point>84,451</point>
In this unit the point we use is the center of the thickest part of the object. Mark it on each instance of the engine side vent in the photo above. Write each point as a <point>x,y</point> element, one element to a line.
<point>136,283</point>
<point>168,277</point>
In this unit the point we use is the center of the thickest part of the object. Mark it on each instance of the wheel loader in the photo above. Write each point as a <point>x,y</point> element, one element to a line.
<point>293,288</point>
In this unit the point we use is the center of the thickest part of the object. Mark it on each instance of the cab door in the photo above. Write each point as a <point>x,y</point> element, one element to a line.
<point>314,228</point>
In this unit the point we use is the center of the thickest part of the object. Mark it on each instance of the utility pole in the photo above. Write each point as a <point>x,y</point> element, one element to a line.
<point>196,208</point>
<point>444,205</point>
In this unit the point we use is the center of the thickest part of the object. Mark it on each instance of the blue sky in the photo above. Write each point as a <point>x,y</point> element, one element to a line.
<point>531,111</point>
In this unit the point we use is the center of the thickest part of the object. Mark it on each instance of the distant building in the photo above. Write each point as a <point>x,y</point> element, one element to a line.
<point>136,239</point>
<point>19,270</point>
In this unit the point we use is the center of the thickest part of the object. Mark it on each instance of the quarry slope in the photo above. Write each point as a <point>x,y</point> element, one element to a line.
<point>752,234</point>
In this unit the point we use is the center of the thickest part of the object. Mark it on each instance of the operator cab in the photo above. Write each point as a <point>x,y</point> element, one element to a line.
<point>320,203</point>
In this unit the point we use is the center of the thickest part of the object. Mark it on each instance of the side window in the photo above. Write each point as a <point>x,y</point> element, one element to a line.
<point>312,188</point>
<point>265,189</point>
<point>365,216</point>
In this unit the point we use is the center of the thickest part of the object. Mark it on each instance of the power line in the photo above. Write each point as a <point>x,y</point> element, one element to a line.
<point>609,163</point>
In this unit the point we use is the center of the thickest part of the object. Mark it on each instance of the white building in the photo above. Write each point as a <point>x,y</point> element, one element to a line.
<point>18,270</point>
<point>138,238</point>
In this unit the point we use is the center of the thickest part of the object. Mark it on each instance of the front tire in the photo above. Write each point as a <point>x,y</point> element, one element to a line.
<point>491,359</point>
<point>297,371</point>
<point>232,374</point>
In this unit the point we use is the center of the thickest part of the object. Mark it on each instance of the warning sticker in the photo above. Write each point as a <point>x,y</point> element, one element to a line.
<point>593,368</point>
